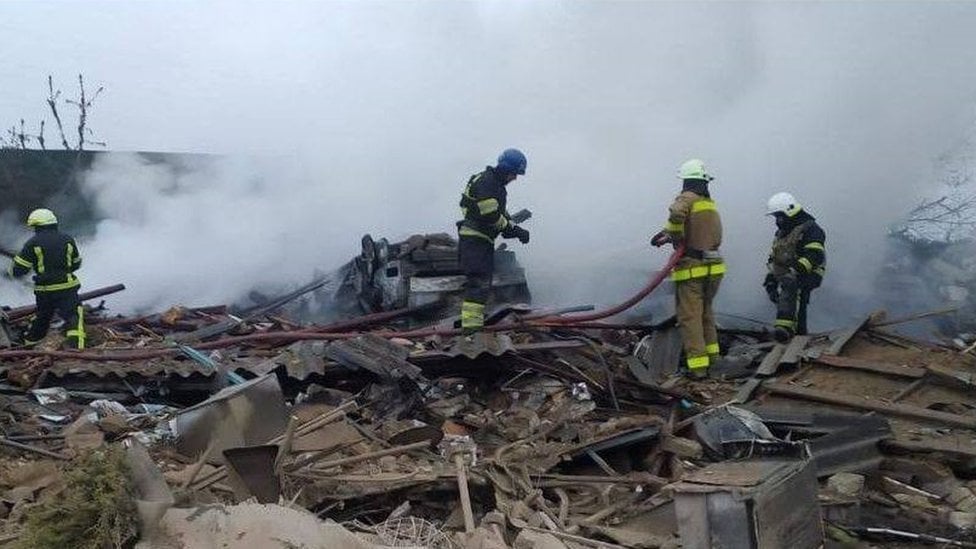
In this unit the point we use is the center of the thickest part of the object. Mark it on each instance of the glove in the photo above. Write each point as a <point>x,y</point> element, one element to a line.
<point>660,239</point>
<point>520,216</point>
<point>521,234</point>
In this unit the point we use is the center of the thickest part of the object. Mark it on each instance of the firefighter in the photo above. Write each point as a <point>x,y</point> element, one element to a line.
<point>694,222</point>
<point>796,264</point>
<point>54,258</point>
<point>484,217</point>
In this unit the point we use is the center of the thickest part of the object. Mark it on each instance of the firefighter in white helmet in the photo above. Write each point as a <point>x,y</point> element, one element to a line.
<point>693,221</point>
<point>796,265</point>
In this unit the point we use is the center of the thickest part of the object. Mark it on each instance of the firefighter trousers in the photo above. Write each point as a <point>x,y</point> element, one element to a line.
<point>67,305</point>
<point>696,319</point>
<point>477,259</point>
<point>791,309</point>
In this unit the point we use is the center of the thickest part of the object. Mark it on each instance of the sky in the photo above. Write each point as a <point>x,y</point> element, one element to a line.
<point>369,116</point>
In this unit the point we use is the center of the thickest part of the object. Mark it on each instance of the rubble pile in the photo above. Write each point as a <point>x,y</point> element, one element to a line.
<point>259,431</point>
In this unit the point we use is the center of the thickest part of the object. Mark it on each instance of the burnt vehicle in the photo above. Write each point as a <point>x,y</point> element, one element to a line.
<point>421,271</point>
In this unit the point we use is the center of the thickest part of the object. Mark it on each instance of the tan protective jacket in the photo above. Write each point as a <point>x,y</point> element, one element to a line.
<point>695,220</point>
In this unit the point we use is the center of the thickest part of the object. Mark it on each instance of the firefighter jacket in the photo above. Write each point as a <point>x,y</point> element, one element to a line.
<point>693,218</point>
<point>799,247</point>
<point>54,258</point>
<point>483,207</point>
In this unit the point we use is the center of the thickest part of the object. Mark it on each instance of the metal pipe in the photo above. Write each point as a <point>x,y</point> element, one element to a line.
<point>27,310</point>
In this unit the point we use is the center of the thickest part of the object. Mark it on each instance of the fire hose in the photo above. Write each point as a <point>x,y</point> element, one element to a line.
<point>652,285</point>
<point>322,333</point>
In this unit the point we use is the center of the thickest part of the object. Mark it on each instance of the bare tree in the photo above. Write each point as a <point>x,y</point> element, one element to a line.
<point>83,105</point>
<point>18,138</point>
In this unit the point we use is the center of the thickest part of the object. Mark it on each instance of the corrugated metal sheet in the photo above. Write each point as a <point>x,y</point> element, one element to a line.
<point>481,343</point>
<point>300,360</point>
<point>374,354</point>
<point>151,368</point>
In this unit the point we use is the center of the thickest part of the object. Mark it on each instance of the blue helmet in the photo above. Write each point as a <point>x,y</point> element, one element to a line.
<point>511,161</point>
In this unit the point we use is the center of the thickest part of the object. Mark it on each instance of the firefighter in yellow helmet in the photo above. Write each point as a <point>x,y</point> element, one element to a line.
<point>53,257</point>
<point>693,221</point>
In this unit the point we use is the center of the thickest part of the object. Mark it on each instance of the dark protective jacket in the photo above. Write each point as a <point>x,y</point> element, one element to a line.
<point>799,245</point>
<point>483,207</point>
<point>54,258</point>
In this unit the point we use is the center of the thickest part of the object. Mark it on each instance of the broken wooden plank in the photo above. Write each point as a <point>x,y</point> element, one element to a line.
<point>794,350</point>
<point>953,376</point>
<point>770,363</point>
<point>903,410</point>
<point>931,445</point>
<point>839,338</point>
<point>745,392</point>
<point>681,447</point>
<point>871,366</point>
<point>27,448</point>
<point>911,388</point>
<point>914,317</point>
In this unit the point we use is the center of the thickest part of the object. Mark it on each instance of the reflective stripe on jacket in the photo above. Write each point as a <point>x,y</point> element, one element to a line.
<point>483,206</point>
<point>54,258</point>
<point>799,246</point>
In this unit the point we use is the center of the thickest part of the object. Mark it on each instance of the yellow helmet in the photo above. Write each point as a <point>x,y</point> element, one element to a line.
<point>41,217</point>
<point>694,169</point>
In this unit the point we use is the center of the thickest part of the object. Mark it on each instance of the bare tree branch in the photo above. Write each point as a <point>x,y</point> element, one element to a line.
<point>18,138</point>
<point>52,99</point>
<point>40,136</point>
<point>83,105</point>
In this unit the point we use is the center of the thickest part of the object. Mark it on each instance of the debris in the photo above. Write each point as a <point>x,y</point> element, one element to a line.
<point>566,430</point>
<point>758,504</point>
<point>871,366</point>
<point>846,484</point>
<point>963,521</point>
<point>50,395</point>
<point>866,404</point>
<point>250,526</point>
<point>255,467</point>
<point>241,415</point>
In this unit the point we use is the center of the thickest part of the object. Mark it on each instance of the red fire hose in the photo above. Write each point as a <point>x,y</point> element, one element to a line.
<point>652,285</point>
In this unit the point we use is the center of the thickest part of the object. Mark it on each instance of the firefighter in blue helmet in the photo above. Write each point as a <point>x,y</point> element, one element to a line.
<point>484,217</point>
<point>53,257</point>
<point>796,265</point>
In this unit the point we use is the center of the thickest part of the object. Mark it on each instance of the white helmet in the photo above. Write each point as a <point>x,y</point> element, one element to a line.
<point>784,203</point>
<point>694,169</point>
<point>41,217</point>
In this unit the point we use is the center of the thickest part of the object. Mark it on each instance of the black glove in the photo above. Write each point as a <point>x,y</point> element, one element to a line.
<point>521,234</point>
<point>660,239</point>
<point>772,288</point>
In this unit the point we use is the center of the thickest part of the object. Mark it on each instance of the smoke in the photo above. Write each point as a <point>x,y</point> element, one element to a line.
<point>368,117</point>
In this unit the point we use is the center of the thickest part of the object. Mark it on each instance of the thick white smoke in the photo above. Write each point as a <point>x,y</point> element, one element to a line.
<point>368,117</point>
